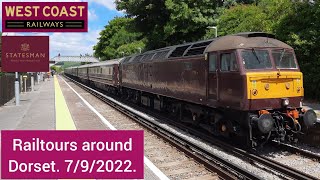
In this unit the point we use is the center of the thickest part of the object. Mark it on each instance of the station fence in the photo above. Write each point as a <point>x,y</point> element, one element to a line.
<point>7,86</point>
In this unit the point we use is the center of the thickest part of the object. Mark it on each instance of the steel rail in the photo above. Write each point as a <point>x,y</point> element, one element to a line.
<point>296,150</point>
<point>249,156</point>
<point>222,167</point>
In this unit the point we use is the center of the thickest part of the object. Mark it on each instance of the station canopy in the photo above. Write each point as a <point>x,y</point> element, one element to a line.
<point>80,59</point>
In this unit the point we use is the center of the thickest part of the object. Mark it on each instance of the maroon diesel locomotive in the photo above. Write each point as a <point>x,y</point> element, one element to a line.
<point>247,84</point>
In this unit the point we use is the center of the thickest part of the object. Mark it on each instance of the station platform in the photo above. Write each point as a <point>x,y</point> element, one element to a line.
<point>54,106</point>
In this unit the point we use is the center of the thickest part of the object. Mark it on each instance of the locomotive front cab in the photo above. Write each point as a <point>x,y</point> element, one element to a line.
<point>275,92</point>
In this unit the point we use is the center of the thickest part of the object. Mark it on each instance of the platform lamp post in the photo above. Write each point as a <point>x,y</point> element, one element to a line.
<point>17,90</point>
<point>32,82</point>
<point>214,27</point>
<point>140,50</point>
<point>122,53</point>
<point>25,83</point>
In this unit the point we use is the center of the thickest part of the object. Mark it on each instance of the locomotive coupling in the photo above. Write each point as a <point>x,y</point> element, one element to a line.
<point>309,118</point>
<point>264,123</point>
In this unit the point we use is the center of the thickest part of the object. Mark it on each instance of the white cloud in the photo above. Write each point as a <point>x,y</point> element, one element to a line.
<point>69,43</point>
<point>73,44</point>
<point>110,4</point>
<point>92,15</point>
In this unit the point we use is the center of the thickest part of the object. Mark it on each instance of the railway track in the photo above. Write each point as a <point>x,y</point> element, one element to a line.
<point>222,167</point>
<point>253,157</point>
<point>296,150</point>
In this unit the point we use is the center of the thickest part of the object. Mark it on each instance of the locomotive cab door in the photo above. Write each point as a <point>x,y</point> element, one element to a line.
<point>213,76</point>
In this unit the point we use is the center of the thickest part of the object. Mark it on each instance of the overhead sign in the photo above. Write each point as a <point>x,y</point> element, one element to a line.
<point>45,16</point>
<point>25,53</point>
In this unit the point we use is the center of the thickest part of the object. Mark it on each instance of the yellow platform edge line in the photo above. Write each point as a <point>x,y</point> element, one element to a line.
<point>64,119</point>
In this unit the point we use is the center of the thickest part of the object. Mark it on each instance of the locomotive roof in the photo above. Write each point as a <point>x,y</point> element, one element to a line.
<point>236,41</point>
<point>246,40</point>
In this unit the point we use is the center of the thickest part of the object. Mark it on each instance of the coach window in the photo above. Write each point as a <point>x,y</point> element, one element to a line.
<point>229,62</point>
<point>212,62</point>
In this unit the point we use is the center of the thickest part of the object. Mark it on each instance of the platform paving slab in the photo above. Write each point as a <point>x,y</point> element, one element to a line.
<point>85,119</point>
<point>35,112</point>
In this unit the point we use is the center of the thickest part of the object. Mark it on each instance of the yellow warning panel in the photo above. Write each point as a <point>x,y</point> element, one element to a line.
<point>64,119</point>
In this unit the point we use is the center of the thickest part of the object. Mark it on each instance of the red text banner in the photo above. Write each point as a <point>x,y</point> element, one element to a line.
<point>25,53</point>
<point>45,16</point>
<point>72,154</point>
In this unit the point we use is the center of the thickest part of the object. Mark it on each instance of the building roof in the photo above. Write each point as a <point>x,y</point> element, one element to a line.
<point>85,59</point>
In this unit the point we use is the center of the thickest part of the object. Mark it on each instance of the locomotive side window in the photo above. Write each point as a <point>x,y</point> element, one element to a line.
<point>212,62</point>
<point>229,62</point>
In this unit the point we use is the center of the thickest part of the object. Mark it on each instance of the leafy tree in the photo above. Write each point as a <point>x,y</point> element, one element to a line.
<point>242,18</point>
<point>117,35</point>
<point>263,15</point>
<point>149,18</point>
<point>188,20</point>
<point>169,22</point>
<point>300,29</point>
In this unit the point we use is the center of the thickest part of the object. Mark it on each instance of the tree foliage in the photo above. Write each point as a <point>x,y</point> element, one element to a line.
<point>169,22</point>
<point>117,40</point>
<point>264,16</point>
<point>300,28</point>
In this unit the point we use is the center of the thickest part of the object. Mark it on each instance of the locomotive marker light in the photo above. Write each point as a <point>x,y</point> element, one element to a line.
<point>285,102</point>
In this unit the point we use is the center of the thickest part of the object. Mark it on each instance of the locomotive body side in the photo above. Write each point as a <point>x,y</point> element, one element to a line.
<point>182,79</point>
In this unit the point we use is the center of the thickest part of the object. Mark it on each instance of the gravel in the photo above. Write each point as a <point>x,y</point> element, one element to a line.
<point>257,169</point>
<point>299,162</point>
<point>209,147</point>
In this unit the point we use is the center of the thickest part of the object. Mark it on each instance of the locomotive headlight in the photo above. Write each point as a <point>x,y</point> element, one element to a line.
<point>285,102</point>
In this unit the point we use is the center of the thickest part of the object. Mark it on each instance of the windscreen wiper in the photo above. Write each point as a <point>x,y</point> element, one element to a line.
<point>281,57</point>
<point>255,54</point>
